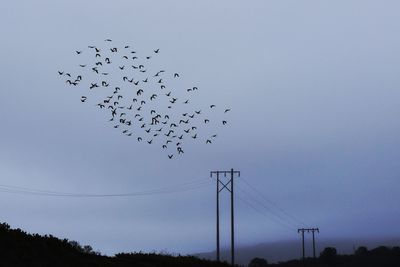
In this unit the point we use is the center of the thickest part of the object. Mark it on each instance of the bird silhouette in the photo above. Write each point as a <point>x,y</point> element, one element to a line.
<point>93,85</point>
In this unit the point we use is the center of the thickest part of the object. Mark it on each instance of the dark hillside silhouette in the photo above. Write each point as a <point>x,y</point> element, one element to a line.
<point>18,248</point>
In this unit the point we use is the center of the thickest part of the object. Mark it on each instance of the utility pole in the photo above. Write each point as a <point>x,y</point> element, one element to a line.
<point>313,239</point>
<point>308,230</point>
<point>231,174</point>
<point>302,238</point>
<point>218,255</point>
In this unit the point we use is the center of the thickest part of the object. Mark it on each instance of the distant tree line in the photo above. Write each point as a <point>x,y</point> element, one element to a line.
<point>378,257</point>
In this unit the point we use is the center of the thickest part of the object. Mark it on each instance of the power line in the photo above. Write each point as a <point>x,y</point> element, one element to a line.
<point>272,203</point>
<point>188,186</point>
<point>275,216</point>
<point>262,213</point>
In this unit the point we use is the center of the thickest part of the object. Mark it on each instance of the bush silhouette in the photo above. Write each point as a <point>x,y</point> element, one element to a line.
<point>258,262</point>
<point>328,255</point>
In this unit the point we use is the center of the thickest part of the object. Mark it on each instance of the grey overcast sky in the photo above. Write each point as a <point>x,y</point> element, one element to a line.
<point>314,89</point>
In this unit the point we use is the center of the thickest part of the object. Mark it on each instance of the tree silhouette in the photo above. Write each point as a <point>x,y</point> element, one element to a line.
<point>258,262</point>
<point>328,255</point>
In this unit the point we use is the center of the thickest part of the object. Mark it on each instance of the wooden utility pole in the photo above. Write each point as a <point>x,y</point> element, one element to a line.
<point>225,185</point>
<point>308,230</point>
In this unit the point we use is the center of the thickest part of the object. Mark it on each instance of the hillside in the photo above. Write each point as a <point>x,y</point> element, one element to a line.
<point>18,248</point>
<point>281,251</point>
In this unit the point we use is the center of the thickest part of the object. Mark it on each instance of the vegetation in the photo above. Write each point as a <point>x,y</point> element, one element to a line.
<point>362,257</point>
<point>18,248</point>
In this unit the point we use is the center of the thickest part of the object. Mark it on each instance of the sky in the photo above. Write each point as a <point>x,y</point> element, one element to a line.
<point>313,88</point>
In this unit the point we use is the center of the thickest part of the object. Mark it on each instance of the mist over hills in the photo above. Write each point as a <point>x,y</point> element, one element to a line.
<point>280,251</point>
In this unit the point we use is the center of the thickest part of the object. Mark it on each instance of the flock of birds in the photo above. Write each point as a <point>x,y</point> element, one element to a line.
<point>142,103</point>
